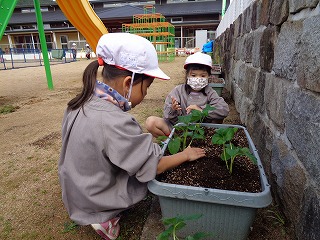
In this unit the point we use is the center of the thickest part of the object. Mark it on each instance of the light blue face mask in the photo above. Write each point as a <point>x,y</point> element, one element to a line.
<point>130,90</point>
<point>107,93</point>
<point>104,91</point>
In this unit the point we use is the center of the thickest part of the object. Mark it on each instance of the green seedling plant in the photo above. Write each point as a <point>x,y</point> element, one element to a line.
<point>190,128</point>
<point>223,136</point>
<point>278,219</point>
<point>70,226</point>
<point>177,223</point>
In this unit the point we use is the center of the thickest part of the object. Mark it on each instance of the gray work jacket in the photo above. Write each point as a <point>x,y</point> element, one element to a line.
<point>105,163</point>
<point>210,97</point>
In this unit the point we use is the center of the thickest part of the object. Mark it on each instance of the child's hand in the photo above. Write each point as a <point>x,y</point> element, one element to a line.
<point>194,153</point>
<point>175,104</point>
<point>193,107</point>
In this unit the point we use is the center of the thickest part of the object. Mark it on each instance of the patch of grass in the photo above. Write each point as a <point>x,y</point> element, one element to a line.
<point>7,229</point>
<point>29,235</point>
<point>158,112</point>
<point>69,227</point>
<point>277,218</point>
<point>7,109</point>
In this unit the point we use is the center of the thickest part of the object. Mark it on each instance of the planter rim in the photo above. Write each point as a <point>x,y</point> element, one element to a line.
<point>212,195</point>
<point>218,84</point>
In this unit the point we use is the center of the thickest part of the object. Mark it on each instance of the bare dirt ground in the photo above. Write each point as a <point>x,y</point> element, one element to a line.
<point>30,196</point>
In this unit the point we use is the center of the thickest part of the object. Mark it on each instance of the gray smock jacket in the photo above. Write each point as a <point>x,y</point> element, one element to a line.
<point>186,99</point>
<point>106,161</point>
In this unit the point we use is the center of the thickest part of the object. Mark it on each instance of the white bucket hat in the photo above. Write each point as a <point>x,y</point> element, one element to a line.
<point>198,58</point>
<point>131,52</point>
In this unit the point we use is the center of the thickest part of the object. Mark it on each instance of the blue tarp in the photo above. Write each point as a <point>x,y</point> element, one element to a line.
<point>208,47</point>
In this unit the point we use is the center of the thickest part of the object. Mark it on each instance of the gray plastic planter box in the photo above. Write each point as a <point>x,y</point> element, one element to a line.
<point>226,214</point>
<point>218,87</point>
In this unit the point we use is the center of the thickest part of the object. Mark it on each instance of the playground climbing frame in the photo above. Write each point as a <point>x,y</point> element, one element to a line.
<point>154,27</point>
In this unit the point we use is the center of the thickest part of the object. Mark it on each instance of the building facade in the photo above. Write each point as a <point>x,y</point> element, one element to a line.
<point>186,16</point>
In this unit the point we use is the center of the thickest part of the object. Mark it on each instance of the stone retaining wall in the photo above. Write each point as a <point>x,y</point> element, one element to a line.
<point>271,60</point>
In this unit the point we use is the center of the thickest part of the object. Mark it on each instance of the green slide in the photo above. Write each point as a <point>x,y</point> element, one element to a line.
<point>6,9</point>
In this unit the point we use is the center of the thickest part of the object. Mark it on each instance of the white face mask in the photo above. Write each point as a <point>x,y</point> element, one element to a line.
<point>197,83</point>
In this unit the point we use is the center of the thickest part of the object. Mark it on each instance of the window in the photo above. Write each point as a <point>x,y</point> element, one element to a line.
<point>211,35</point>
<point>16,27</point>
<point>28,26</point>
<point>64,42</point>
<point>28,10</point>
<point>177,19</point>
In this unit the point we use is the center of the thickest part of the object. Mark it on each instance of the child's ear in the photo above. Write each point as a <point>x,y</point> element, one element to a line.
<point>126,84</point>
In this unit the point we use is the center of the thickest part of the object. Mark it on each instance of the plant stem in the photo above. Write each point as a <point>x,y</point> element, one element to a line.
<point>231,161</point>
<point>184,141</point>
<point>231,164</point>
<point>174,232</point>
<point>224,154</point>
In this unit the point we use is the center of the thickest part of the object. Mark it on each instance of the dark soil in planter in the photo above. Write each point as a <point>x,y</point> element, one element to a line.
<point>211,171</point>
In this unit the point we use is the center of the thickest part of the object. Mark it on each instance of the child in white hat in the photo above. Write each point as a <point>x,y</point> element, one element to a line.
<point>194,94</point>
<point>106,160</point>
<point>88,51</point>
<point>74,51</point>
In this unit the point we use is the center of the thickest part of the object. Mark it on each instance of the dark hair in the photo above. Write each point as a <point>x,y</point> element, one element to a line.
<point>195,66</point>
<point>89,77</point>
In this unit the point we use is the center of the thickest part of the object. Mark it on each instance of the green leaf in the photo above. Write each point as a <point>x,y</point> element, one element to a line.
<point>161,139</point>
<point>198,235</point>
<point>201,131</point>
<point>225,157</point>
<point>217,139</point>
<point>246,152</point>
<point>230,133</point>
<point>166,234</point>
<point>196,116</point>
<point>233,151</point>
<point>180,225</point>
<point>191,217</point>
<point>186,119</point>
<point>198,136</point>
<point>192,127</point>
<point>207,109</point>
<point>171,221</point>
<point>174,145</point>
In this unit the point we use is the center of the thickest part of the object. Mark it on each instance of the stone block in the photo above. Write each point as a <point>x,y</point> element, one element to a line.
<point>267,43</point>
<point>250,81</point>
<point>275,95</point>
<point>297,5</point>
<point>247,50</point>
<point>236,75</point>
<point>240,26</point>
<point>261,136</point>
<point>302,117</point>
<point>241,78</point>
<point>255,11</point>
<point>247,15</point>
<point>287,49</point>
<point>290,179</point>
<point>309,221</point>
<point>239,42</point>
<point>236,24</point>
<point>308,69</point>
<point>257,35</point>
<point>265,12</point>
<point>279,11</point>
<point>258,97</point>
